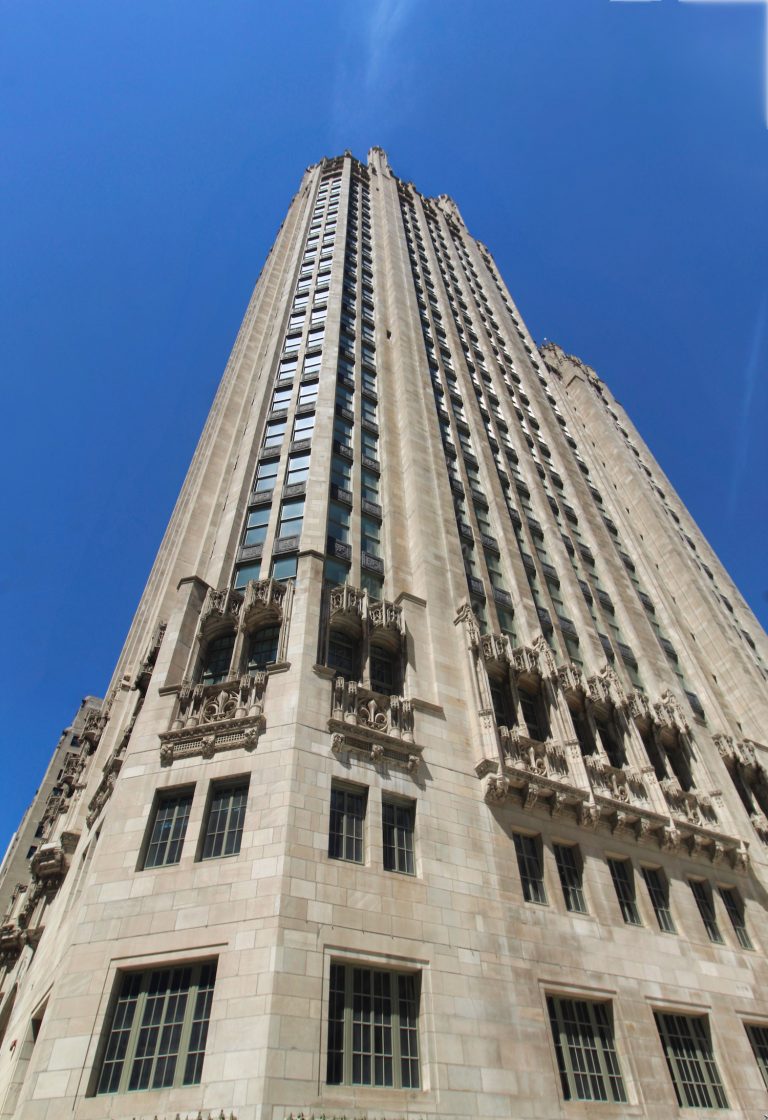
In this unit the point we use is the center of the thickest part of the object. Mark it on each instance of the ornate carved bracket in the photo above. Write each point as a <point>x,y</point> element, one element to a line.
<point>373,724</point>
<point>213,718</point>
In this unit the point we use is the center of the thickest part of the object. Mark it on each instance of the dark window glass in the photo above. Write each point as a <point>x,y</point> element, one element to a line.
<point>217,659</point>
<point>373,1028</point>
<point>528,849</point>
<point>169,828</point>
<point>624,885</point>
<point>224,826</point>
<point>569,869</point>
<point>702,893</point>
<point>586,1051</point>
<point>262,648</point>
<point>397,824</point>
<point>691,1062</point>
<point>345,836</point>
<point>658,891</point>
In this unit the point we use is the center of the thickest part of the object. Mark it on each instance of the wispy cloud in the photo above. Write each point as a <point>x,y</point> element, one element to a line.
<point>369,62</point>
<point>741,452</point>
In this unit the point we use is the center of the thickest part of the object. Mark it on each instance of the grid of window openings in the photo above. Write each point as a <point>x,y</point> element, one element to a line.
<point>356,458</point>
<point>289,429</point>
<point>222,829</point>
<point>586,1051</point>
<point>687,1047</point>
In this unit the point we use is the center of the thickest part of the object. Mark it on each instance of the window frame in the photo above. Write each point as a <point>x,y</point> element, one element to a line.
<point>350,836</point>
<point>179,823</point>
<point>627,899</point>
<point>530,864</point>
<point>142,1015</point>
<point>704,898</point>
<point>232,836</point>
<point>399,843</point>
<point>707,1085</point>
<point>596,1075</point>
<point>343,1029</point>
<point>759,1044</point>
<point>573,890</point>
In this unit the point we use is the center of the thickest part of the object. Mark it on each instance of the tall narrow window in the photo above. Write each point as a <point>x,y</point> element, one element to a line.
<point>569,868</point>
<point>262,647</point>
<point>298,469</point>
<point>343,654</point>
<point>758,1038</point>
<point>345,836</point>
<point>266,474</point>
<point>169,827</point>
<point>624,884</point>
<point>373,1028</point>
<point>397,824</point>
<point>223,831</point>
<point>291,518</point>
<point>217,659</point>
<point>256,526</point>
<point>159,1029</point>
<point>691,1062</point>
<point>371,535</point>
<point>702,893</point>
<point>586,1051</point>
<point>338,521</point>
<point>735,909</point>
<point>658,892</point>
<point>528,849</point>
<point>534,715</point>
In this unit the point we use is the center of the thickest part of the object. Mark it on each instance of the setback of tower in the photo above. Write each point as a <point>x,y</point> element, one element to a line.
<point>431,778</point>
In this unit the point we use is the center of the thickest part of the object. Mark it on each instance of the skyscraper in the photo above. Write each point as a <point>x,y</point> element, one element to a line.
<point>431,780</point>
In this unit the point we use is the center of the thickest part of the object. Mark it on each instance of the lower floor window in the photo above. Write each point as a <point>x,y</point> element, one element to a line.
<point>373,1028</point>
<point>159,1029</point>
<point>691,1062</point>
<point>586,1052</point>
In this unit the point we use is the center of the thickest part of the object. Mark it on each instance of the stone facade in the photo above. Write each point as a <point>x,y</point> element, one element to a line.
<point>434,763</point>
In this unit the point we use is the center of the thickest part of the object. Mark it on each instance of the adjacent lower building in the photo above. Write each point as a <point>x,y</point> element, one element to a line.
<point>432,779</point>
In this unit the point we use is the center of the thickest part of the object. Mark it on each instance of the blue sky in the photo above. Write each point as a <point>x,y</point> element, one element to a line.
<point>614,157</point>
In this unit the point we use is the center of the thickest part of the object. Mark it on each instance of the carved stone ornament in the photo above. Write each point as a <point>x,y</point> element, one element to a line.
<point>570,680</point>
<point>545,657</point>
<point>557,804</point>
<point>588,815</point>
<point>466,616</point>
<point>337,743</point>
<point>531,795</point>
<point>496,789</point>
<point>377,752</point>
<point>670,714</point>
<point>213,718</point>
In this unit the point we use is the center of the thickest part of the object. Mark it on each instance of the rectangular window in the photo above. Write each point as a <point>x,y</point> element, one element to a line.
<point>224,824</point>
<point>735,909</point>
<point>624,885</point>
<point>159,1029</point>
<point>370,481</point>
<point>304,426</point>
<point>256,526</point>
<point>345,398</point>
<point>371,536</point>
<point>569,868</point>
<point>658,891</point>
<point>342,432</point>
<point>169,827</point>
<point>345,835</point>
<point>246,572</point>
<point>266,475</point>
<point>298,469</point>
<point>702,893</point>
<point>291,518</point>
<point>758,1039</point>
<point>586,1051</point>
<point>335,572</point>
<point>308,393</point>
<point>370,444</point>
<point>284,567</point>
<point>528,849</point>
<point>691,1061</point>
<point>373,1028</point>
<point>397,825</point>
<point>312,364</point>
<point>369,410</point>
<point>338,521</point>
<point>281,398</point>
<point>273,436</point>
<point>341,472</point>
<point>292,344</point>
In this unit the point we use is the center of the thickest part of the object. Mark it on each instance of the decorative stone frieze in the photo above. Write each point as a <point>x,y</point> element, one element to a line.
<point>49,865</point>
<point>619,784</point>
<point>106,785</point>
<point>373,724</point>
<point>217,717</point>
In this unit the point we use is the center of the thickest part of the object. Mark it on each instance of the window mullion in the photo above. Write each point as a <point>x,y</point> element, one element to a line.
<point>133,1037</point>
<point>186,1027</point>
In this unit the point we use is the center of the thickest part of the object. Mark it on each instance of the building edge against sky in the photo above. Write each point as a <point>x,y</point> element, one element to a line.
<point>432,775</point>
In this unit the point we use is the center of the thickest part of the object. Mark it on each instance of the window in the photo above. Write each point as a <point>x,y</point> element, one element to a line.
<point>735,908</point>
<point>342,432</point>
<point>262,647</point>
<point>303,426</point>
<point>370,444</point>
<point>159,1028</point>
<point>385,674</point>
<point>534,716</point>
<point>217,659</point>
<point>338,521</point>
<point>266,475</point>
<point>371,535</point>
<point>758,1038</point>
<point>281,399</point>
<point>343,653</point>
<point>397,824</point>
<point>224,824</point>
<point>284,567</point>
<point>308,393</point>
<point>586,1051</point>
<point>335,572</point>
<point>569,868</point>
<point>256,526</point>
<point>345,398</point>
<point>345,835</point>
<point>658,891</point>
<point>370,486</point>
<point>312,364</point>
<point>341,472</point>
<point>688,1050</point>
<point>624,885</point>
<point>702,893</point>
<point>528,849</point>
<point>369,410</point>
<point>169,827</point>
<point>246,572</point>
<point>373,584</point>
<point>291,518</point>
<point>298,469</point>
<point>274,433</point>
<point>372,1028</point>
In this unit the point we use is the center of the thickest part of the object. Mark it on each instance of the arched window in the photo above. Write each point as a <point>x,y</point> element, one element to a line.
<point>217,659</point>
<point>262,647</point>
